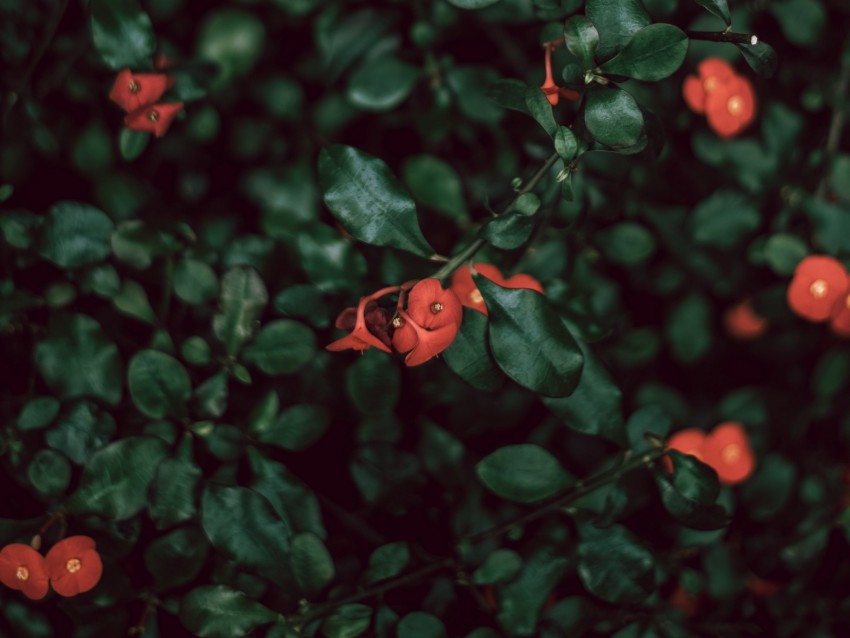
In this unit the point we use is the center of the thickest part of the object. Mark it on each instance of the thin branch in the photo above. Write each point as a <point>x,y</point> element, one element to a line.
<point>836,125</point>
<point>723,36</point>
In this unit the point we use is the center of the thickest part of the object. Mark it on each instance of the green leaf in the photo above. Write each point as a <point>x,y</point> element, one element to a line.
<point>501,566</point>
<point>724,219</point>
<point>689,496</point>
<point>612,116</point>
<point>616,21</point>
<point>522,600</point>
<point>566,144</point>
<point>367,199</point>
<point>219,612</point>
<point>116,478</point>
<point>243,526</point>
<point>783,251</point>
<point>473,4</point>
<point>49,473</point>
<point>509,94</point>
<point>348,621</point>
<point>194,281</point>
<point>175,490</point>
<point>81,431</point>
<point>688,328</point>
<point>330,261</point>
<point>122,34</point>
<point>540,109</point>
<point>137,244</point>
<point>770,489</point>
<point>297,428</point>
<point>529,341</point>
<point>441,453</point>
<point>177,558</point>
<point>373,383</point>
<point>78,360</point>
<point>132,143</point>
<point>382,83</point>
<point>282,347</point>
<point>387,561</point>
<point>75,234</point>
<point>582,40</point>
<point>311,563</point>
<point>38,413</point>
<point>802,21</point>
<point>594,406</point>
<point>418,624</point>
<point>627,243</point>
<point>132,300</point>
<point>719,8</point>
<point>469,354</point>
<point>524,473</point>
<point>614,565</point>
<point>761,57</point>
<point>434,183</point>
<point>243,297</point>
<point>654,53</point>
<point>232,38</point>
<point>159,384</point>
<point>508,231</point>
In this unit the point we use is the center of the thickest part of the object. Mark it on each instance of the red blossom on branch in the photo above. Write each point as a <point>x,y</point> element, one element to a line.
<point>74,566</point>
<point>24,569</point>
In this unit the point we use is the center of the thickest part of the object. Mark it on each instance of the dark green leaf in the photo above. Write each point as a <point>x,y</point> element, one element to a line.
<point>783,251</point>
<point>132,143</point>
<point>616,21</point>
<point>435,184</point>
<point>614,565</point>
<point>522,600</point>
<point>243,297</point>
<point>115,480</point>
<point>194,281</point>
<point>469,354</point>
<point>654,53</point>
<point>566,144</point>
<point>132,300</point>
<point>159,384</point>
<point>688,328</point>
<point>219,612</point>
<point>769,490</point>
<point>508,231</point>
<point>37,413</point>
<point>137,244</point>
<point>529,341</point>
<point>175,490</point>
<point>297,428</point>
<point>387,561</point>
<point>75,234</point>
<point>177,558</point>
<point>282,347</point>
<point>122,34</point>
<point>311,563</point>
<point>612,116</point>
<point>501,566</point>
<point>761,57</point>
<point>582,39</point>
<point>77,360</point>
<point>373,383</point>
<point>232,38</point>
<point>49,473</point>
<point>627,243</point>
<point>243,525</point>
<point>509,94</point>
<point>348,621</point>
<point>368,200</point>
<point>421,625</point>
<point>540,109</point>
<point>802,21</point>
<point>330,260</point>
<point>693,479</point>
<point>382,83</point>
<point>524,473</point>
<point>719,8</point>
<point>724,219</point>
<point>81,431</point>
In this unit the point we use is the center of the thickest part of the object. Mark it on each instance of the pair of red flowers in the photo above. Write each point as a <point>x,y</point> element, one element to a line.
<point>820,291</point>
<point>726,449</point>
<point>726,98</point>
<point>137,94</point>
<point>72,566</point>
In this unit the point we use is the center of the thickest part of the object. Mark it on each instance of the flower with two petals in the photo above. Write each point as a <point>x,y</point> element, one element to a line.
<point>137,94</point>
<point>727,99</point>
<point>430,323</point>
<point>726,449</point>
<point>24,569</point>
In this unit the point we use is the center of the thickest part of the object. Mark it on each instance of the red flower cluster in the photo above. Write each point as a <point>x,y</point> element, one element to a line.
<point>726,98</point>
<point>726,449</point>
<point>820,291</point>
<point>469,295</point>
<point>137,94</point>
<point>72,567</point>
<point>552,91</point>
<point>423,329</point>
<point>743,322</point>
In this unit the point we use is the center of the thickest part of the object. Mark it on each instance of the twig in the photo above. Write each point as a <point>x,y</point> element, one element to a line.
<point>723,36</point>
<point>836,126</point>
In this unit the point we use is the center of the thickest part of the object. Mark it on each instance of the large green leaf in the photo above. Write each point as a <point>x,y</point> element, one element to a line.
<point>724,219</point>
<point>368,200</point>
<point>115,480</point>
<point>529,341</point>
<point>612,116</point>
<point>614,565</point>
<point>220,612</point>
<point>243,297</point>
<point>540,109</point>
<point>311,563</point>
<point>75,234</point>
<point>418,624</point>
<point>175,491</point>
<point>387,561</point>
<point>469,355</point>
<point>720,8</point>
<point>522,600</point>
<point>77,359</point>
<point>524,473</point>
<point>282,347</point>
<point>761,57</point>
<point>297,428</point>
<point>616,21</point>
<point>243,525</point>
<point>654,53</point>
<point>382,83</point>
<point>435,184</point>
<point>159,384</point>
<point>501,565</point>
<point>582,39</point>
<point>122,33</point>
<point>690,494</point>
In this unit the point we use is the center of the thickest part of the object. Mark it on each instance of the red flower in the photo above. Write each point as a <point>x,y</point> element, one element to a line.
<point>711,73</point>
<point>742,322</point>
<point>361,336</point>
<point>731,106</point>
<point>430,324</point>
<point>155,118</point>
<point>819,283</point>
<point>727,450</point>
<point>132,91</point>
<point>840,319</point>
<point>74,565</point>
<point>549,88</point>
<point>23,568</point>
<point>469,295</point>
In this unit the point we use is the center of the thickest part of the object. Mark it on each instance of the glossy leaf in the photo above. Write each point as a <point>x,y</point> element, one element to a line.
<point>524,473</point>
<point>502,565</point>
<point>654,53</point>
<point>614,566</point>
<point>219,612</point>
<point>387,561</point>
<point>297,428</point>
<point>612,116</point>
<point>311,563</point>
<point>175,491</point>
<point>243,297</point>
<point>616,21</point>
<point>122,33</point>
<point>418,624</point>
<point>382,83</point>
<point>582,39</point>
<point>720,8</point>
<point>761,57</point>
<point>522,600</point>
<point>539,108</point>
<point>75,234</point>
<point>159,385</point>
<point>281,347</point>
<point>435,184</point>
<point>469,354</point>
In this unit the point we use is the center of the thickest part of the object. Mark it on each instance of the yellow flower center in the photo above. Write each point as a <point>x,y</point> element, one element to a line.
<point>73,565</point>
<point>436,307</point>
<point>23,573</point>
<point>731,453</point>
<point>735,105</point>
<point>818,289</point>
<point>475,296</point>
<point>709,84</point>
<point>134,87</point>
<point>398,322</point>
<point>153,116</point>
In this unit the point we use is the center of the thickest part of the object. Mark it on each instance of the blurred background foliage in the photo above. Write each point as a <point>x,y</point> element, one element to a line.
<point>164,304</point>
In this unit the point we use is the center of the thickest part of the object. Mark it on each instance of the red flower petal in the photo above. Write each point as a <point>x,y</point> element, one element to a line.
<point>840,319</point>
<point>730,108</point>
<point>155,118</point>
<point>430,343</point>
<point>727,450</point>
<point>432,306</point>
<point>464,286</point>
<point>819,282</point>
<point>687,441</point>
<point>24,569</point>
<point>74,566</point>
<point>742,322</point>
<point>132,91</point>
<point>360,337</point>
<point>405,337</point>
<point>694,94</point>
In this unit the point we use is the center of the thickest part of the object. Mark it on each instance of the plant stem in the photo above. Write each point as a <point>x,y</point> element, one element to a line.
<point>836,125</point>
<point>723,36</point>
<point>475,246</point>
